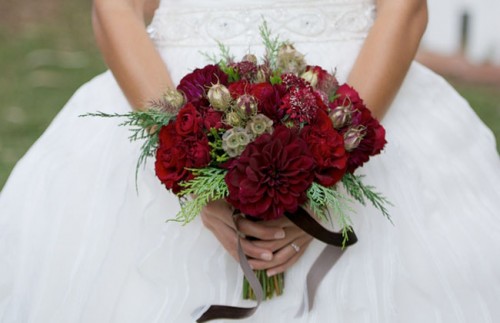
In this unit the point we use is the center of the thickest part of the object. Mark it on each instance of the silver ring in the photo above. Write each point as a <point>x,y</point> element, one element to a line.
<point>295,247</point>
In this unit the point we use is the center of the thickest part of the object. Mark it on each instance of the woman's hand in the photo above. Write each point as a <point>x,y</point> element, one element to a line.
<point>268,244</point>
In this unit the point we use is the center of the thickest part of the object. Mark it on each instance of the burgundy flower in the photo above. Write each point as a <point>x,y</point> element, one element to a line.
<point>292,80</point>
<point>177,153</point>
<point>195,85</point>
<point>323,81</point>
<point>347,95</point>
<point>327,148</point>
<point>239,88</point>
<point>373,140</point>
<point>212,119</point>
<point>374,134</point>
<point>301,104</point>
<point>269,99</point>
<point>272,175</point>
<point>247,70</point>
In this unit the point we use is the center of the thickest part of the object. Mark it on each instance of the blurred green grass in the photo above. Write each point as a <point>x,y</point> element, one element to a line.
<point>43,61</point>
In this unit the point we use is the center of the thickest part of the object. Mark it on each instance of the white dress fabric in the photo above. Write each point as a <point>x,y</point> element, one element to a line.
<point>79,243</point>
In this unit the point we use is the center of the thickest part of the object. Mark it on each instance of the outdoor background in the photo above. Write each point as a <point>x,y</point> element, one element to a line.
<point>47,51</point>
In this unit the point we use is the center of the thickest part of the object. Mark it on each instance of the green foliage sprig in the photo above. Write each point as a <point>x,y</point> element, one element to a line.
<point>321,199</point>
<point>207,185</point>
<point>359,191</point>
<point>144,125</point>
<point>271,44</point>
<point>217,153</point>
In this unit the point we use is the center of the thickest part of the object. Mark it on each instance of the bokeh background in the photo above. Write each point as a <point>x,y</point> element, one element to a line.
<point>47,51</point>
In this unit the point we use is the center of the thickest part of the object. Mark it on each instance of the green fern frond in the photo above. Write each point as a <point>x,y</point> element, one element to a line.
<point>144,125</point>
<point>361,192</point>
<point>207,185</point>
<point>271,44</point>
<point>322,200</point>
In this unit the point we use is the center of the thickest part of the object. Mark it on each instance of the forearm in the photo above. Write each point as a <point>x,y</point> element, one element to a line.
<point>119,28</point>
<point>388,52</point>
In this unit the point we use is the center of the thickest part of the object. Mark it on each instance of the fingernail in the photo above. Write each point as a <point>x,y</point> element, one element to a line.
<point>266,256</point>
<point>279,235</point>
<point>271,272</point>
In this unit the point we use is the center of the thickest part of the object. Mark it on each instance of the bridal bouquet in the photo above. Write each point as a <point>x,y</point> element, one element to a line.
<point>270,137</point>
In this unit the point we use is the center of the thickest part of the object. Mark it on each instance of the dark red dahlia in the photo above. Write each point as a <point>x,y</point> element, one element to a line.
<point>176,153</point>
<point>327,148</point>
<point>195,84</point>
<point>272,175</point>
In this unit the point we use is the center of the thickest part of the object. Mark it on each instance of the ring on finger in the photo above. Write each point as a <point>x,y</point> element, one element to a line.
<point>295,246</point>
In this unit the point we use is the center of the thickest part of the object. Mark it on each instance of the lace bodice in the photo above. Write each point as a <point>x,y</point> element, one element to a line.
<point>195,23</point>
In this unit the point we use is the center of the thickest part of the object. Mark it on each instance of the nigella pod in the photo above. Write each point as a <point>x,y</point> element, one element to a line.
<point>290,60</point>
<point>219,97</point>
<point>247,105</point>
<point>233,119</point>
<point>311,77</point>
<point>341,116</point>
<point>263,74</point>
<point>174,98</point>
<point>250,58</point>
<point>353,137</point>
<point>170,102</point>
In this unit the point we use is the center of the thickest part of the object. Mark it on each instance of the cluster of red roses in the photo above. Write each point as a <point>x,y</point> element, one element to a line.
<point>320,131</point>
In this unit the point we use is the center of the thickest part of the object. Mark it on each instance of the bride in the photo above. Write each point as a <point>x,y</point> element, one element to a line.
<point>79,243</point>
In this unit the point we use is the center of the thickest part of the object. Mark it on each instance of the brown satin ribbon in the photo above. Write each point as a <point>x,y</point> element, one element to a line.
<point>233,312</point>
<point>328,257</point>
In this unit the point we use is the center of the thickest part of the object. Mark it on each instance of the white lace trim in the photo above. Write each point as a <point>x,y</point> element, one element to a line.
<point>320,21</point>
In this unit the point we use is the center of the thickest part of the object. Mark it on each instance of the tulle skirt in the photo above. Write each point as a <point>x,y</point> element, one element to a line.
<point>82,241</point>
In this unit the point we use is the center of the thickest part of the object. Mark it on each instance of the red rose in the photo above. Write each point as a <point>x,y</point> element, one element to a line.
<point>188,120</point>
<point>272,175</point>
<point>176,153</point>
<point>327,148</point>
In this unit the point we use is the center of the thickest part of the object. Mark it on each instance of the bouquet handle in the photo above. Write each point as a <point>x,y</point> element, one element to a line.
<point>328,257</point>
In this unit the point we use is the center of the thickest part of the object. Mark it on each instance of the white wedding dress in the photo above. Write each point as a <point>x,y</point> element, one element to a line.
<point>79,243</point>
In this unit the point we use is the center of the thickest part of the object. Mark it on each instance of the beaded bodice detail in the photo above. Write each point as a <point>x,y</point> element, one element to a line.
<point>236,22</point>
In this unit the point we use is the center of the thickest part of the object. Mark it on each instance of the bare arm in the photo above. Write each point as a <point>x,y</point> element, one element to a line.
<point>119,27</point>
<point>388,52</point>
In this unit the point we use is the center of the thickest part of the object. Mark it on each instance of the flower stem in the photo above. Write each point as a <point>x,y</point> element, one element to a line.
<point>271,286</point>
